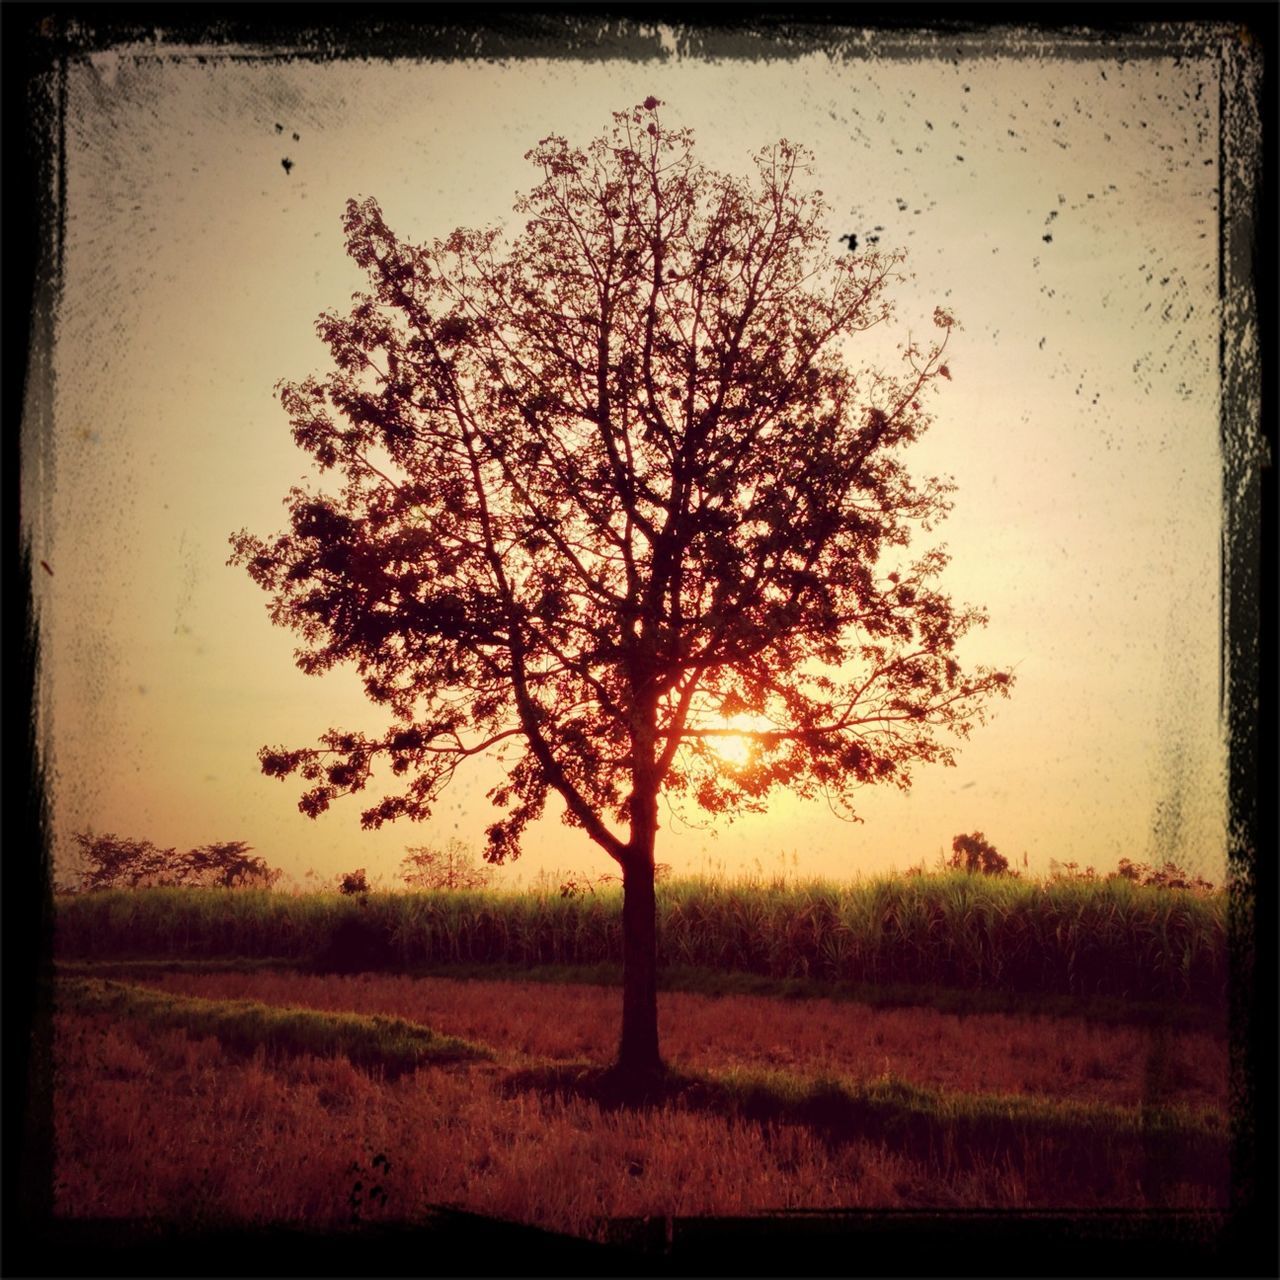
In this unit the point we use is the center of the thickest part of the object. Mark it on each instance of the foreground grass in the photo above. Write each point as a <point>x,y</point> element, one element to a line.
<point>170,1122</point>
<point>1110,938</point>
<point>947,1129</point>
<point>392,1045</point>
<point>1012,1053</point>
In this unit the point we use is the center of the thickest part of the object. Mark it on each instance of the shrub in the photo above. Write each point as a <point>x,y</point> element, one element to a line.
<point>1169,876</point>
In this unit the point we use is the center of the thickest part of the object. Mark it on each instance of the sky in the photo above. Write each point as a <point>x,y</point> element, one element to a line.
<point>1063,208</point>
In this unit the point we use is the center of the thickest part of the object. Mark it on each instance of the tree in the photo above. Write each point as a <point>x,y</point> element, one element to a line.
<point>975,853</point>
<point>613,506</point>
<point>229,864</point>
<point>449,866</point>
<point>111,862</point>
<point>353,883</point>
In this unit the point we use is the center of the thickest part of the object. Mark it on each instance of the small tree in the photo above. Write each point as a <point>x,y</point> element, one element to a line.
<point>615,505</point>
<point>353,883</point>
<point>448,866</point>
<point>974,853</point>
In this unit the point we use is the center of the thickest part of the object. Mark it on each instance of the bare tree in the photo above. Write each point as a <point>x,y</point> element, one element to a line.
<point>614,505</point>
<point>448,866</point>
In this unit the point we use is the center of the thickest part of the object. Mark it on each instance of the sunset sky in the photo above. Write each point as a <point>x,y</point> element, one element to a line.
<point>1064,208</point>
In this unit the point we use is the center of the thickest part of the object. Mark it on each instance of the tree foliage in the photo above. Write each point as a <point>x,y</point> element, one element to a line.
<point>353,884</point>
<point>608,482</point>
<point>975,853</point>
<point>114,862</point>
<point>449,866</point>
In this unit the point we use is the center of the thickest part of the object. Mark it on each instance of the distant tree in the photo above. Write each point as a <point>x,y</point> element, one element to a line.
<point>975,853</point>
<point>354,882</point>
<point>1169,876</point>
<point>110,862</point>
<point>115,862</point>
<point>448,866</point>
<point>227,865</point>
<point>612,504</point>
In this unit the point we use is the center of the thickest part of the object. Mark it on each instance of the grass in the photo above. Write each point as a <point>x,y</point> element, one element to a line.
<point>890,1102</point>
<point>1111,1010</point>
<point>1111,938</point>
<point>125,969</point>
<point>391,1045</point>
<point>956,1000</point>
<point>878,1045</point>
<point>947,1127</point>
<point>160,1117</point>
<point>995,1052</point>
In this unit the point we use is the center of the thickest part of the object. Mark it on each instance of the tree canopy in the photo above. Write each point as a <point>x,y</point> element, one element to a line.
<point>975,853</point>
<point>611,493</point>
<point>116,862</point>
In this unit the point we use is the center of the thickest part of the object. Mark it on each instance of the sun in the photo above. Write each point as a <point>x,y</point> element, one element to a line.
<point>737,749</point>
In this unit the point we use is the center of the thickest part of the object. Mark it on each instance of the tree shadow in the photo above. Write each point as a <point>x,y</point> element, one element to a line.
<point>1060,1155</point>
<point>606,1087</point>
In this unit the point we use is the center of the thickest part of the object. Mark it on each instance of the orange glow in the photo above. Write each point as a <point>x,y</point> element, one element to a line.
<point>738,749</point>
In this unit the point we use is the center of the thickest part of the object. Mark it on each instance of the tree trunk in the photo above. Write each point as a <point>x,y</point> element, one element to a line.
<point>638,1056</point>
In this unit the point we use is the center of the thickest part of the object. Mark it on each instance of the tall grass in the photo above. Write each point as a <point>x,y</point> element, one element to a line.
<point>1087,938</point>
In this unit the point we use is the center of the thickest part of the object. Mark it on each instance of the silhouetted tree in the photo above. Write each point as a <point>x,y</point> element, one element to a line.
<point>975,853</point>
<point>111,862</point>
<point>602,487</point>
<point>448,866</point>
<point>228,865</point>
<point>114,862</point>
<point>353,883</point>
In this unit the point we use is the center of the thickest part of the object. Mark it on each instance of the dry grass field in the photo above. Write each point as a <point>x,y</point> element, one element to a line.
<point>1065,1058</point>
<point>170,1127</point>
<point>170,1124</point>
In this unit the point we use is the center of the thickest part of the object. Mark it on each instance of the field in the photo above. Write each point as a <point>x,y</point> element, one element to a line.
<point>1106,938</point>
<point>236,1058</point>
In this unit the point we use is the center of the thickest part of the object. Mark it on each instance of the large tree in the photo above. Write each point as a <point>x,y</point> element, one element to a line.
<point>615,505</point>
